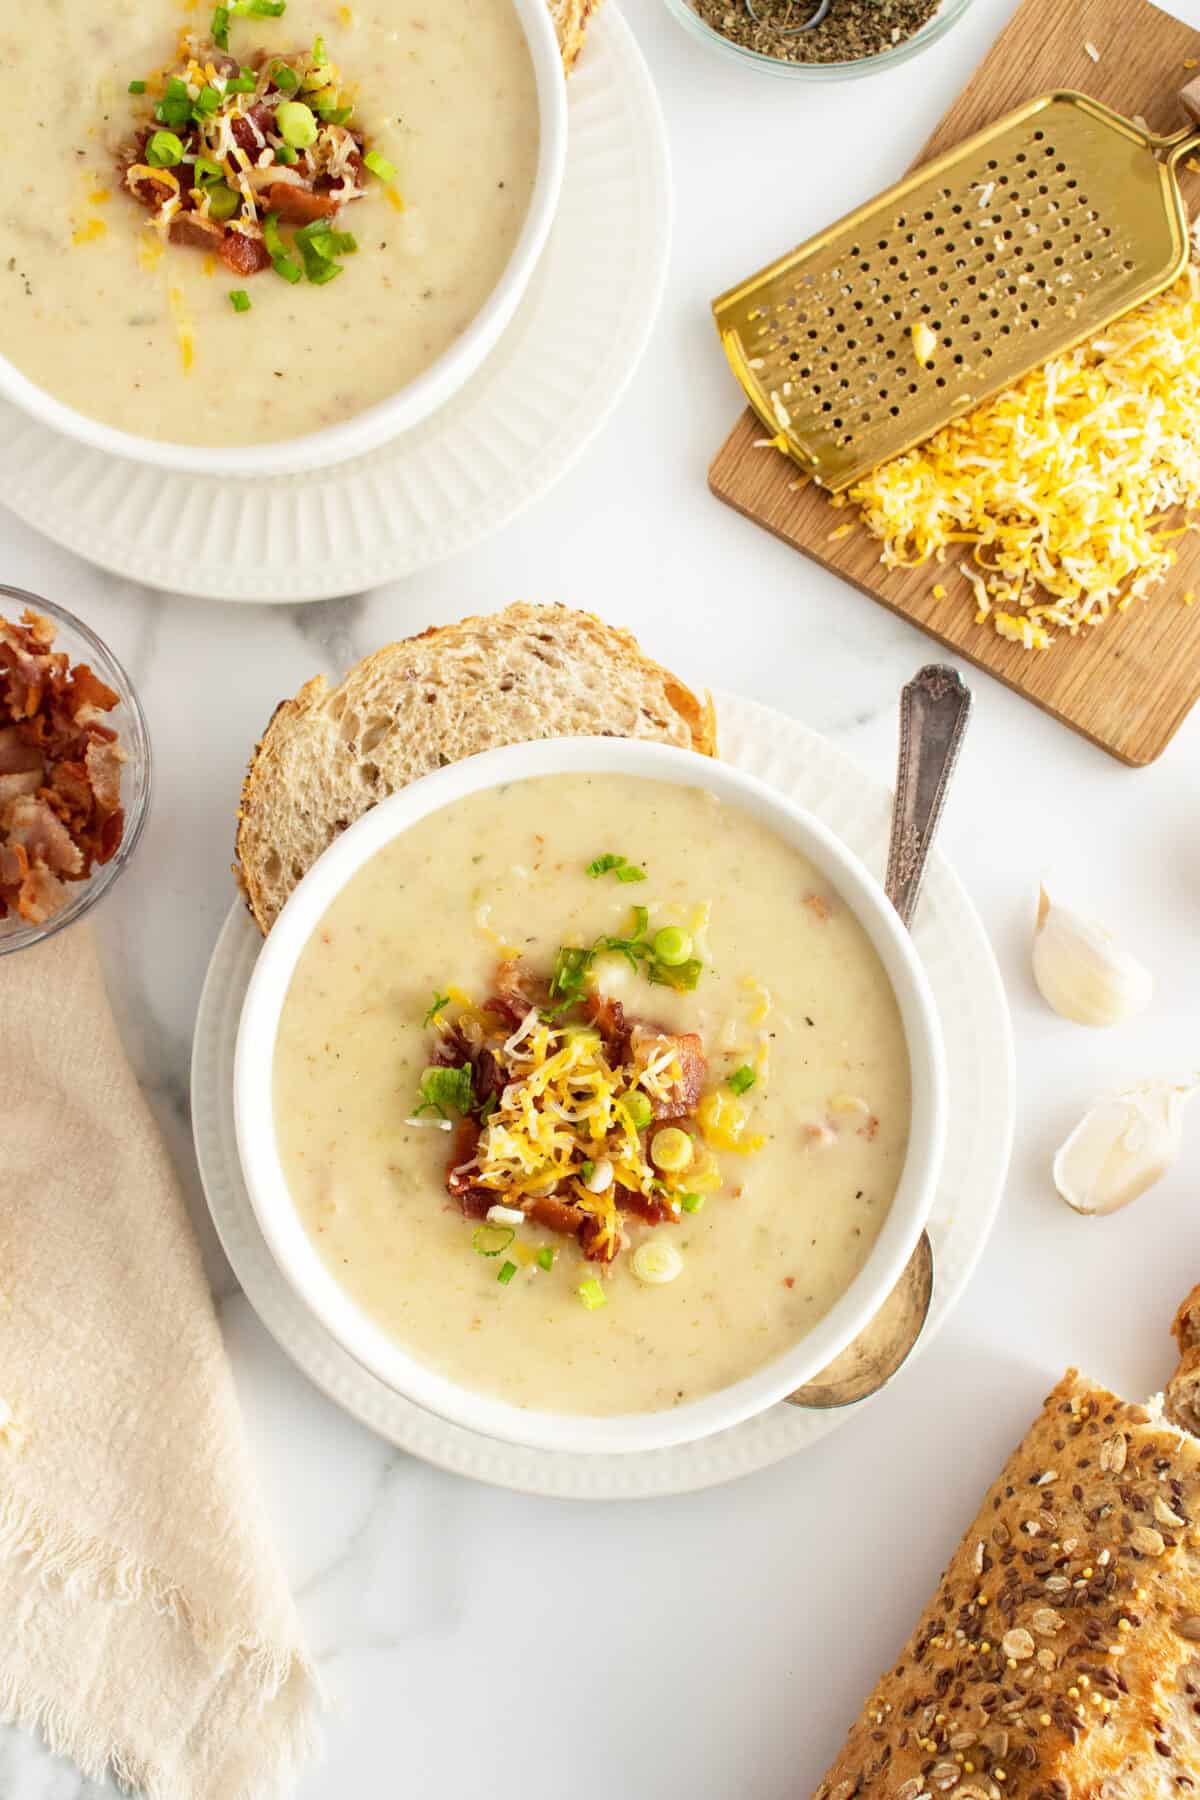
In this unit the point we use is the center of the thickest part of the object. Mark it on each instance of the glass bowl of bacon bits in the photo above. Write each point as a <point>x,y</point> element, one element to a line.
<point>74,769</point>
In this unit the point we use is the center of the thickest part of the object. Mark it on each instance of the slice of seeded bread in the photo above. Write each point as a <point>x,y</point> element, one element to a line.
<point>571,22</point>
<point>528,672</point>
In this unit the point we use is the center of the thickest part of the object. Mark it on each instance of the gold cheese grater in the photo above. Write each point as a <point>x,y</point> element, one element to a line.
<point>1014,246</point>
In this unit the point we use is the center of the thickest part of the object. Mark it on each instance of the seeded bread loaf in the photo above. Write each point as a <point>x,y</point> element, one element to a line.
<point>571,22</point>
<point>528,672</point>
<point>1181,1396</point>
<point>1060,1657</point>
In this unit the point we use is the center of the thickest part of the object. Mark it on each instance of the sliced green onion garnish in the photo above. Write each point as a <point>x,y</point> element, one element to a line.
<point>742,1079</point>
<point>440,1002</point>
<point>239,299</point>
<point>691,1202</point>
<point>208,100</point>
<point>137,87</point>
<point>637,1108</point>
<point>285,154</point>
<point>319,271</point>
<point>587,1170</point>
<point>620,866</point>
<point>545,1257</point>
<point>446,1090</point>
<point>490,1240</point>
<point>314,230</point>
<point>244,83</point>
<point>683,977</point>
<point>506,1273</point>
<point>177,89</point>
<point>219,29</point>
<point>288,267</point>
<point>284,77</point>
<point>257,9</point>
<point>271,238</point>
<point>321,237</point>
<point>672,946</point>
<point>163,150</point>
<point>174,109</point>
<point>207,170</point>
<point>379,165</point>
<point>295,124</point>
<point>336,115</point>
<point>318,52</point>
<point>592,1295</point>
<point>223,203</point>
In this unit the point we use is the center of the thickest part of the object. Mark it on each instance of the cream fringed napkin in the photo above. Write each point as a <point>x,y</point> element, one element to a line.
<point>145,1623</point>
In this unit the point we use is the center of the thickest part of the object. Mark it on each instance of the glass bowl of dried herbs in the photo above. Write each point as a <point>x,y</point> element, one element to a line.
<point>819,40</point>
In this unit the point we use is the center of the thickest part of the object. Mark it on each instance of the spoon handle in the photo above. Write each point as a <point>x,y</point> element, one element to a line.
<point>934,708</point>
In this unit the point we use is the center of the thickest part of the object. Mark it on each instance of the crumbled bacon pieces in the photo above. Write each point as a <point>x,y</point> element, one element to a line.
<point>60,771</point>
<point>685,1052</point>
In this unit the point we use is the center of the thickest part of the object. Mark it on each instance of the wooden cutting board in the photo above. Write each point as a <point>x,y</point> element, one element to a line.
<point>1129,684</point>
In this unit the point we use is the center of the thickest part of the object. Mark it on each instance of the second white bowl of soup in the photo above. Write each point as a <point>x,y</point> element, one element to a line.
<point>591,1094</point>
<point>161,300</point>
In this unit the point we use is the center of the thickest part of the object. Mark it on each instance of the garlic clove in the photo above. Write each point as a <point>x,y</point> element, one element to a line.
<point>1083,974</point>
<point>1122,1146</point>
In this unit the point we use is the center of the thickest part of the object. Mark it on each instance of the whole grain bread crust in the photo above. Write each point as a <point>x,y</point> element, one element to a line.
<point>329,754</point>
<point>571,19</point>
<point>1181,1396</point>
<point>1060,1657</point>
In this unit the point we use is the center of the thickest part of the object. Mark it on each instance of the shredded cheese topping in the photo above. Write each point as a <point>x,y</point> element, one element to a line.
<point>563,1103</point>
<point>1060,486</point>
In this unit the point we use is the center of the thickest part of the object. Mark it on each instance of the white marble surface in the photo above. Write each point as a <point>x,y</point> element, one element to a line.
<point>481,1643</point>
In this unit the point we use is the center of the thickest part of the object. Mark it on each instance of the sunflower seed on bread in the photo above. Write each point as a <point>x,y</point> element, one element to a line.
<point>527,672</point>
<point>1060,1656</point>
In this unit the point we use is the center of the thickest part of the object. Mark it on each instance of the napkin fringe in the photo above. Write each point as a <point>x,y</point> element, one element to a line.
<point>95,1756</point>
<point>70,1560</point>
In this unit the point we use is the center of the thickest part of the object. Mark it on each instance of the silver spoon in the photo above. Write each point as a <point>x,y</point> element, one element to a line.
<point>934,709</point>
<point>819,17</point>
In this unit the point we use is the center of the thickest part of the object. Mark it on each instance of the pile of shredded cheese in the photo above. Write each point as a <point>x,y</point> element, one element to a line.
<point>1061,485</point>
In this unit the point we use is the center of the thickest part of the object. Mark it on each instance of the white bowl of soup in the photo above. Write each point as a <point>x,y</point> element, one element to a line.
<point>125,328</point>
<point>591,1094</point>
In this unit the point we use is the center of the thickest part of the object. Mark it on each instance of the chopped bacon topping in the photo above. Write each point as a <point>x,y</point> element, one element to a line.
<point>686,1064</point>
<point>300,206</point>
<point>60,771</point>
<point>608,1016</point>
<point>244,254</point>
<point>556,1215</point>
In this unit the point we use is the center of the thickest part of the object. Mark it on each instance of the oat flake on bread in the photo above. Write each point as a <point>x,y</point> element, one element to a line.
<point>509,677</point>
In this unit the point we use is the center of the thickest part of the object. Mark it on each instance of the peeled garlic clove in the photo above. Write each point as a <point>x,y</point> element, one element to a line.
<point>1081,972</point>
<point>1122,1146</point>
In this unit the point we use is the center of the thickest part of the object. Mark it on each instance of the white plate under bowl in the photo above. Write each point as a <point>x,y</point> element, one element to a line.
<point>979,1055</point>
<point>538,400</point>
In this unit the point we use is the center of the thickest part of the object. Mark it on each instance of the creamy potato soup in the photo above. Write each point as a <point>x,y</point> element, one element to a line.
<point>105,311</point>
<point>687,1083</point>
